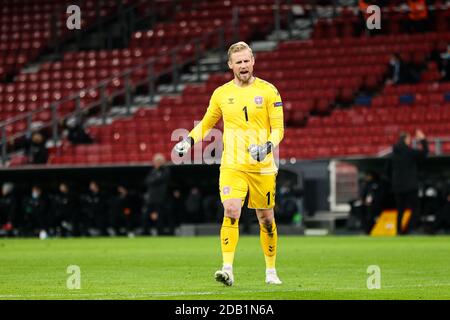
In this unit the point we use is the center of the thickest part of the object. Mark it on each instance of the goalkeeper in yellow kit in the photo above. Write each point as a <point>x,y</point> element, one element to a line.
<point>252,113</point>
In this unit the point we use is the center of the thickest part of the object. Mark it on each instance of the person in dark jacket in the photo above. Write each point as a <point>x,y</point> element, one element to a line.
<point>287,206</point>
<point>403,173</point>
<point>8,207</point>
<point>157,183</point>
<point>370,200</point>
<point>77,133</point>
<point>176,208</point>
<point>35,149</point>
<point>123,211</point>
<point>35,213</point>
<point>94,207</point>
<point>64,208</point>
<point>401,71</point>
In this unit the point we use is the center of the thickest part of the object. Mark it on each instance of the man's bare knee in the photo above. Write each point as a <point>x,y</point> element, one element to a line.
<point>265,216</point>
<point>232,210</point>
<point>266,220</point>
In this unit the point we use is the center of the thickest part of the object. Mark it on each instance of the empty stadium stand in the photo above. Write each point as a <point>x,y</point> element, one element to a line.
<point>29,27</point>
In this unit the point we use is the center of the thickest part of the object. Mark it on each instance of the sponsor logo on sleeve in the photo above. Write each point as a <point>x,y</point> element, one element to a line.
<point>278,104</point>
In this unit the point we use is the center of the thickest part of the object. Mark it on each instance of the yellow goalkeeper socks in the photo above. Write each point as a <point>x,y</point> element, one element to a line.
<point>229,236</point>
<point>269,236</point>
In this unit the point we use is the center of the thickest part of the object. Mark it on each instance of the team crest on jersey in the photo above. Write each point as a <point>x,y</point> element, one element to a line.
<point>226,190</point>
<point>259,100</point>
<point>230,100</point>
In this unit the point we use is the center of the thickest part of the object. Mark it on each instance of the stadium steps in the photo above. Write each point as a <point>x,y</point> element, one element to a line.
<point>211,63</point>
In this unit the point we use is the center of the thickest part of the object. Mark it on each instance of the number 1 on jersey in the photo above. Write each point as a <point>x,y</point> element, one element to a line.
<point>245,112</point>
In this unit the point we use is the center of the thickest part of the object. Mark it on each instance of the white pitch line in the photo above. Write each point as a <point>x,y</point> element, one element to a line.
<point>145,294</point>
<point>195,293</point>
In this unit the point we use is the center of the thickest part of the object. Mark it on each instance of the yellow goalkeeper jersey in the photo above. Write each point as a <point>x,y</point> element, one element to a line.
<point>251,115</point>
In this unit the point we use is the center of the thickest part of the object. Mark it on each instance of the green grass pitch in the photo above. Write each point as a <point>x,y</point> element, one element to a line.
<point>332,267</point>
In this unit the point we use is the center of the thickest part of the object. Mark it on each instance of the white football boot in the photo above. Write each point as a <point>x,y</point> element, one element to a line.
<point>225,276</point>
<point>271,277</point>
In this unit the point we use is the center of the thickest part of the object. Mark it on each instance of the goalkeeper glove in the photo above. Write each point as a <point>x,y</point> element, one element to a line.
<point>260,152</point>
<point>183,146</point>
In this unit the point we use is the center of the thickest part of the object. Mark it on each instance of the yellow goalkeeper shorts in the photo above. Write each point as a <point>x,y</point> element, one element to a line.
<point>235,184</point>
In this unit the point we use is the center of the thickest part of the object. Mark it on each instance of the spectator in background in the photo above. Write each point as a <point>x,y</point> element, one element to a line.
<point>430,198</point>
<point>8,207</point>
<point>76,132</point>
<point>155,197</point>
<point>442,61</point>
<point>175,209</point>
<point>35,148</point>
<point>64,207</point>
<point>35,214</point>
<point>287,207</point>
<point>94,208</point>
<point>372,200</point>
<point>401,72</point>
<point>123,212</point>
<point>402,168</point>
<point>396,70</point>
<point>444,66</point>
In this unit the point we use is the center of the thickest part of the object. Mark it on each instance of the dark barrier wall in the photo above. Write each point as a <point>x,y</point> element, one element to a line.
<point>431,168</point>
<point>183,177</point>
<point>316,184</point>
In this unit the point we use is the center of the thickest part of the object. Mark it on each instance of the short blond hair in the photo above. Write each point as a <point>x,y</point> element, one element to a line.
<point>237,47</point>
